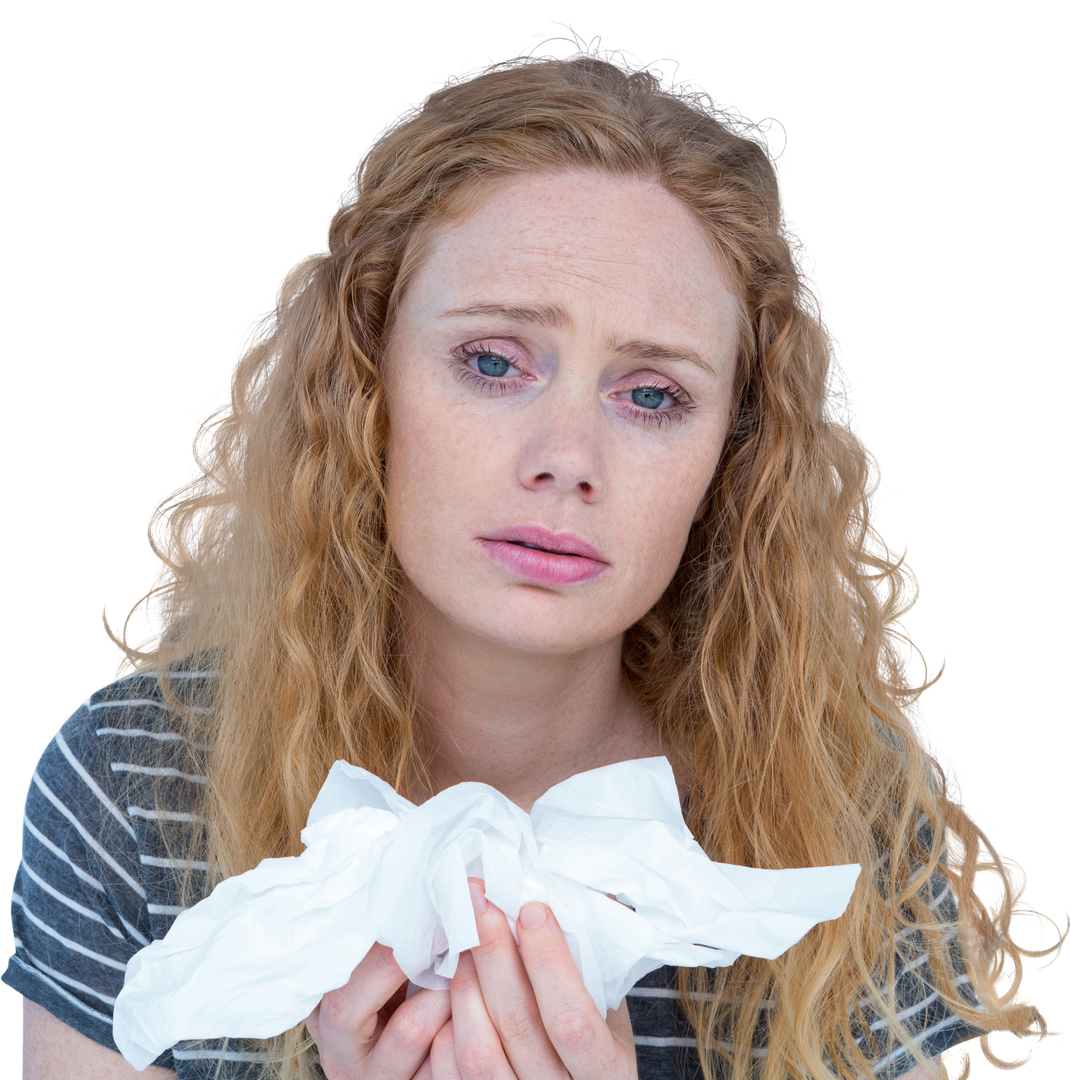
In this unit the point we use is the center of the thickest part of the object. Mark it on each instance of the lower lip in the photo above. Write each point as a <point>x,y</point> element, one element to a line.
<point>543,567</point>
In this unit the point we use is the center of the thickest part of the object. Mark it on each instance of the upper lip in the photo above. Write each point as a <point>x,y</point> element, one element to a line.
<point>565,543</point>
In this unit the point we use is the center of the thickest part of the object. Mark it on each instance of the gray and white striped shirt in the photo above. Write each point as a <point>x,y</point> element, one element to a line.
<point>112,798</point>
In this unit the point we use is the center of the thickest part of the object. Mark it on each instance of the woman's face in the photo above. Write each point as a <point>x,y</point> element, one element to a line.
<point>559,383</point>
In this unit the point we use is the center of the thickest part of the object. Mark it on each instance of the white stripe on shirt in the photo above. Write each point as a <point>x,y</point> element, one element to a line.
<point>74,946</point>
<point>117,703</point>
<point>173,864</point>
<point>165,909</point>
<point>215,1055</point>
<point>139,733</point>
<point>73,983</point>
<point>664,1040</point>
<point>63,993</point>
<point>83,832</point>
<point>72,904</point>
<point>162,736</point>
<point>162,815</point>
<point>60,854</point>
<point>93,786</point>
<point>133,931</point>
<point>156,770</point>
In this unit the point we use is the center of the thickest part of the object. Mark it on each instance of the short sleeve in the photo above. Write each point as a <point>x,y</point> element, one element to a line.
<point>79,907</point>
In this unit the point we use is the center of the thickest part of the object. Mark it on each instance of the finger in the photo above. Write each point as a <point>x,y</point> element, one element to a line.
<point>408,1037</point>
<point>346,1023</point>
<point>508,994</point>
<point>442,1060</point>
<point>585,1042</point>
<point>477,1048</point>
<point>392,1003</point>
<point>351,1027</point>
<point>425,1072</point>
<point>620,1023</point>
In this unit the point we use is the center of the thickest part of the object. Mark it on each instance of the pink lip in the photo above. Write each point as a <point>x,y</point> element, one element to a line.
<point>543,567</point>
<point>565,560</point>
<point>564,543</point>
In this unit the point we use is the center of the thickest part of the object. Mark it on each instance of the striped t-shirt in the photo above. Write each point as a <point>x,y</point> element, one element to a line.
<point>113,795</point>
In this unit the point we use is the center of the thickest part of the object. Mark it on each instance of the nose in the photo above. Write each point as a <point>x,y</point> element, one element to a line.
<point>561,452</point>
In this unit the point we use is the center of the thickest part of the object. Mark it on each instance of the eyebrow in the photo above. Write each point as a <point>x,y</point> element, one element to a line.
<point>555,317</point>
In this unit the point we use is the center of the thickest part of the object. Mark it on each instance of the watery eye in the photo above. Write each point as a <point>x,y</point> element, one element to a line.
<point>491,370</point>
<point>647,397</point>
<point>491,365</point>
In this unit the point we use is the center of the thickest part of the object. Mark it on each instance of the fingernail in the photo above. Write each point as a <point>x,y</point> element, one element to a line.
<point>479,900</point>
<point>533,916</point>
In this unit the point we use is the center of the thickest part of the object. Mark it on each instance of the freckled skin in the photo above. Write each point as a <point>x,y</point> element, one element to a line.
<point>625,262</point>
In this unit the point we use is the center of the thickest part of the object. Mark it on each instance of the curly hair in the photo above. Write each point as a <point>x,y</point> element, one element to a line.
<point>769,665</point>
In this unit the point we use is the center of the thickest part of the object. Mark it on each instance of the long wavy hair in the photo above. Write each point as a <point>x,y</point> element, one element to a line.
<point>769,665</point>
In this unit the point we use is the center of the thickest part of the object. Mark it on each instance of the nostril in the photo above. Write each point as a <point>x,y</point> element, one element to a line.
<point>584,486</point>
<point>545,476</point>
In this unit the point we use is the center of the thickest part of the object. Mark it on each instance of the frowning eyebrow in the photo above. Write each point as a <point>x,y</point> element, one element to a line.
<point>555,317</point>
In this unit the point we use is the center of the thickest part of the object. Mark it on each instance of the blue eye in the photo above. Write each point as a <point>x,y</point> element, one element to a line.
<point>493,366</point>
<point>649,392</point>
<point>488,360</point>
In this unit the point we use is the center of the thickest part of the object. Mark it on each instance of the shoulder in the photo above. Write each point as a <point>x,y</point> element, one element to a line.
<point>85,771</point>
<point>142,724</point>
<point>123,751</point>
<point>119,734</point>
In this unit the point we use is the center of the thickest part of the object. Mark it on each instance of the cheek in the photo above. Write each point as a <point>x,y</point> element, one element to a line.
<point>438,466</point>
<point>667,494</point>
<point>416,467</point>
<point>416,455</point>
<point>674,522</point>
<point>673,485</point>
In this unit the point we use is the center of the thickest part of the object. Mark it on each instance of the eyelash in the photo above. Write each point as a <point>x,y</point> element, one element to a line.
<point>657,417</point>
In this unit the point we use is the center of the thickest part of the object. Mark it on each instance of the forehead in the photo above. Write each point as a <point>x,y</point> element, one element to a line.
<point>603,249</point>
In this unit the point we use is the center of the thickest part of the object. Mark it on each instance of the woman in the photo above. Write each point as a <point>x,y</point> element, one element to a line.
<point>532,474</point>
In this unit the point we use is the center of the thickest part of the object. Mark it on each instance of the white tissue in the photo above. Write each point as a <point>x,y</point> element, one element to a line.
<point>254,958</point>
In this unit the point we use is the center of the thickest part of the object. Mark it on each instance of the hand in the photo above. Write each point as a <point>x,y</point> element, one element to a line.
<point>366,1030</point>
<point>526,1015</point>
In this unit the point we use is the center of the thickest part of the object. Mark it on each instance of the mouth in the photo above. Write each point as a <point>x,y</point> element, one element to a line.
<point>540,538</point>
<point>536,547</point>
<point>542,565</point>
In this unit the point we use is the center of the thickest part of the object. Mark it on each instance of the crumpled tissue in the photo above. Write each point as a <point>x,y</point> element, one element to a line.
<point>254,958</point>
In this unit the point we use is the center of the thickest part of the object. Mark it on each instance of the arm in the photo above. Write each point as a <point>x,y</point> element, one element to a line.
<point>53,1051</point>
